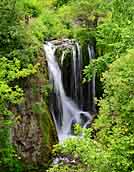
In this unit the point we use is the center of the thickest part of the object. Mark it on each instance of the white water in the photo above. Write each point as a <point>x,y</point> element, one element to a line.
<point>91,57</point>
<point>70,112</point>
<point>79,72</point>
<point>62,57</point>
<point>75,72</point>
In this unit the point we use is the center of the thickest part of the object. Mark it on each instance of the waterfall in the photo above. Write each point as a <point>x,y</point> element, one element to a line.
<point>69,108</point>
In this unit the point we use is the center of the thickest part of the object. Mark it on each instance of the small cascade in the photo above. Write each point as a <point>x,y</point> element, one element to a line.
<point>80,63</point>
<point>67,109</point>
<point>74,73</point>
<point>91,53</point>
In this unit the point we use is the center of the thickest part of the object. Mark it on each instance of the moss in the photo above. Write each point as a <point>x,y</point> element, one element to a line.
<point>34,89</point>
<point>46,123</point>
<point>48,130</point>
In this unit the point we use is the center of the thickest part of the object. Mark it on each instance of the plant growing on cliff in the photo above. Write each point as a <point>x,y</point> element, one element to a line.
<point>109,145</point>
<point>15,64</point>
<point>114,36</point>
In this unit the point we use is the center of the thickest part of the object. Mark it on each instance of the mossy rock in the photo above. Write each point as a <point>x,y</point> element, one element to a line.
<point>34,133</point>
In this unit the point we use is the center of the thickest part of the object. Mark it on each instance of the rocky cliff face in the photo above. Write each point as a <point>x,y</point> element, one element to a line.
<point>34,133</point>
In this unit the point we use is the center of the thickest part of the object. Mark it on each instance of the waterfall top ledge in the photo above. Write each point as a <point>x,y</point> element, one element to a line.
<point>62,43</point>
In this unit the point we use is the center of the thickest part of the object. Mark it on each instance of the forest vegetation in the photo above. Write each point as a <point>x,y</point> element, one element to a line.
<point>108,146</point>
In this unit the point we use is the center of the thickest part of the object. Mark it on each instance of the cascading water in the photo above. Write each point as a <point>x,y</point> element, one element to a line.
<point>91,57</point>
<point>69,107</point>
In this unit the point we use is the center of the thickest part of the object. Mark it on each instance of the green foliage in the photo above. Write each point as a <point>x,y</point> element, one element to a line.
<point>114,36</point>
<point>68,168</point>
<point>24,25</point>
<point>113,144</point>
<point>70,19</point>
<point>32,8</point>
<point>118,90</point>
<point>59,3</point>
<point>16,54</point>
<point>9,160</point>
<point>55,28</point>
<point>116,108</point>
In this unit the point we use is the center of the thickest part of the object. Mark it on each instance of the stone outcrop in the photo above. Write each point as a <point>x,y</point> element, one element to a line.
<point>34,132</point>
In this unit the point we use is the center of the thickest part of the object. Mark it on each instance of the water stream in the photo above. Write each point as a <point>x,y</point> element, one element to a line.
<point>91,57</point>
<point>70,109</point>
